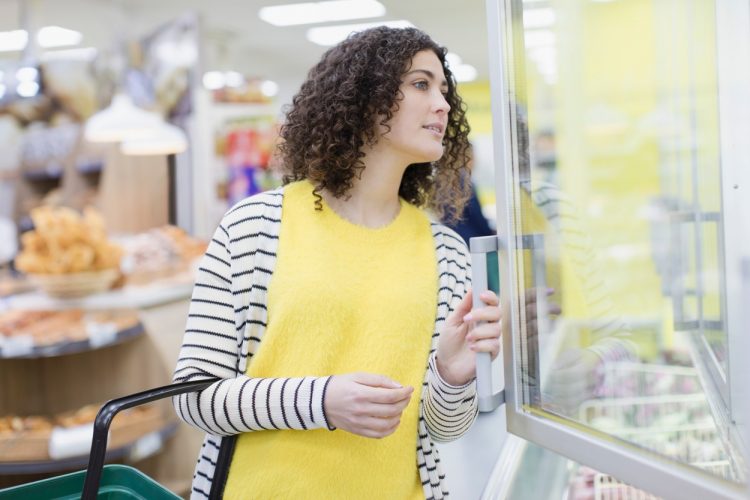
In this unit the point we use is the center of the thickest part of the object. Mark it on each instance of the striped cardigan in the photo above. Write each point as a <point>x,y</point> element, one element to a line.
<point>225,326</point>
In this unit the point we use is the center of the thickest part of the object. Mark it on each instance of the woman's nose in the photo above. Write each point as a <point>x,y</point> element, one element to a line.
<point>441,104</point>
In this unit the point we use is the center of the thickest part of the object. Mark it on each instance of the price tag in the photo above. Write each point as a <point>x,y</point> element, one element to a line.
<point>101,334</point>
<point>71,441</point>
<point>17,345</point>
<point>146,446</point>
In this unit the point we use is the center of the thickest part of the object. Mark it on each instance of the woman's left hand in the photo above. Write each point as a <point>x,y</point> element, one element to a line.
<point>462,338</point>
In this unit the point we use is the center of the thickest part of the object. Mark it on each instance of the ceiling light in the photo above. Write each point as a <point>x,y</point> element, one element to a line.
<point>82,54</point>
<point>47,37</point>
<point>120,121</point>
<point>453,59</point>
<point>27,89</point>
<point>320,12</point>
<point>538,18</point>
<point>214,80</point>
<point>233,79</point>
<point>27,74</point>
<point>461,72</point>
<point>464,73</point>
<point>538,38</point>
<point>177,52</point>
<point>55,36</point>
<point>166,139</point>
<point>13,40</point>
<point>269,88</point>
<point>331,35</point>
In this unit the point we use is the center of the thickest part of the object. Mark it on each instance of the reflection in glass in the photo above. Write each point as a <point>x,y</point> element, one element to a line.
<point>617,209</point>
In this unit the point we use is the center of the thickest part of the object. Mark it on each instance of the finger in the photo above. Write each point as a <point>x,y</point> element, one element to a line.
<point>532,307</point>
<point>456,318</point>
<point>490,298</point>
<point>531,310</point>
<point>490,314</point>
<point>531,293</point>
<point>392,429</point>
<point>484,331</point>
<point>387,410</point>
<point>375,380</point>
<point>531,328</point>
<point>380,425</point>
<point>488,345</point>
<point>379,434</point>
<point>387,396</point>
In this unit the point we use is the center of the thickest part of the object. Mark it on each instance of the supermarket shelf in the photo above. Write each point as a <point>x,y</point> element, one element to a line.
<point>25,350</point>
<point>143,447</point>
<point>136,297</point>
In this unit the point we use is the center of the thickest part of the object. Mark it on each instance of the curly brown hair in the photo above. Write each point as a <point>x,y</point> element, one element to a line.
<point>353,88</point>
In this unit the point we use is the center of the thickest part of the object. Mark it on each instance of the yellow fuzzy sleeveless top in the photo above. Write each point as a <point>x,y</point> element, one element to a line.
<point>343,298</point>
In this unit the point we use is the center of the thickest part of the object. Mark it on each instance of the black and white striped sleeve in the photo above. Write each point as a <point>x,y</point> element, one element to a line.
<point>210,349</point>
<point>449,410</point>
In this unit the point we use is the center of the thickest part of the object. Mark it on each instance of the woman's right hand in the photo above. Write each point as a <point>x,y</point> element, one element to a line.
<point>365,404</point>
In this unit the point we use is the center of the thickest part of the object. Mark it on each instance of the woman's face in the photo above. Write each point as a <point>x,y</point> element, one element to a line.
<point>418,126</point>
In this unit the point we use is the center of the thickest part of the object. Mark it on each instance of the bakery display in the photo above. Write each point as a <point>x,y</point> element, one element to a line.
<point>29,333</point>
<point>66,242</point>
<point>69,254</point>
<point>162,252</point>
<point>27,438</point>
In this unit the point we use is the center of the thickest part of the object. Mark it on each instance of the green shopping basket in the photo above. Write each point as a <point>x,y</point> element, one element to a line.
<point>111,482</point>
<point>117,482</point>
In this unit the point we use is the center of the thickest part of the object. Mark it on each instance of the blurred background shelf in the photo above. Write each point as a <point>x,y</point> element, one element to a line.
<point>141,448</point>
<point>64,348</point>
<point>137,297</point>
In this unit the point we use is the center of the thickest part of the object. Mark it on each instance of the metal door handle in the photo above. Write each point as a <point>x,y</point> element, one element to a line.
<point>479,247</point>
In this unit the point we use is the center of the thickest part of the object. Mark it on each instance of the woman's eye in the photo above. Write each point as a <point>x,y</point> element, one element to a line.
<point>421,85</point>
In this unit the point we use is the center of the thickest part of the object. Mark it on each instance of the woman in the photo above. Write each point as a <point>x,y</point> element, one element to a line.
<point>322,305</point>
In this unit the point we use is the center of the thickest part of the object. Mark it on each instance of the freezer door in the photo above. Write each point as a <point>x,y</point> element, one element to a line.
<point>623,201</point>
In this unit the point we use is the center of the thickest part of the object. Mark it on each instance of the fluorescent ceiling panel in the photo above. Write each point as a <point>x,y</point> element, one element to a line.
<point>13,40</point>
<point>56,36</point>
<point>331,35</point>
<point>320,12</point>
<point>46,37</point>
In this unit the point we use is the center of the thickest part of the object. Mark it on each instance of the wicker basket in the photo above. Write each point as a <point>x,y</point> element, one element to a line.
<point>67,286</point>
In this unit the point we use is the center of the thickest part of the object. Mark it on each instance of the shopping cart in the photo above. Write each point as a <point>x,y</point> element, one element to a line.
<point>113,482</point>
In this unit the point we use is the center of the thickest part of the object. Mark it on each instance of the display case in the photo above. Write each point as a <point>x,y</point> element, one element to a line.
<point>636,227</point>
<point>57,367</point>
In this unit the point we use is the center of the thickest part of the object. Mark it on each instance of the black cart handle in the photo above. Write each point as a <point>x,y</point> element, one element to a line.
<point>108,412</point>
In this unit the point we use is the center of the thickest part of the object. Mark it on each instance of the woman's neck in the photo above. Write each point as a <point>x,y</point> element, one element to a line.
<point>373,200</point>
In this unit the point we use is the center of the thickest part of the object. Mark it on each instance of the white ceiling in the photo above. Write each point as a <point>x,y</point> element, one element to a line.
<point>251,46</point>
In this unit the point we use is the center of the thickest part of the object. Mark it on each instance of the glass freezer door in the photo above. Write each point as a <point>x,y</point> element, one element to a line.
<point>620,207</point>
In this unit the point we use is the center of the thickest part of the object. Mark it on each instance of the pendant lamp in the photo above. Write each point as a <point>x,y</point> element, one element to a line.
<point>165,139</point>
<point>121,121</point>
